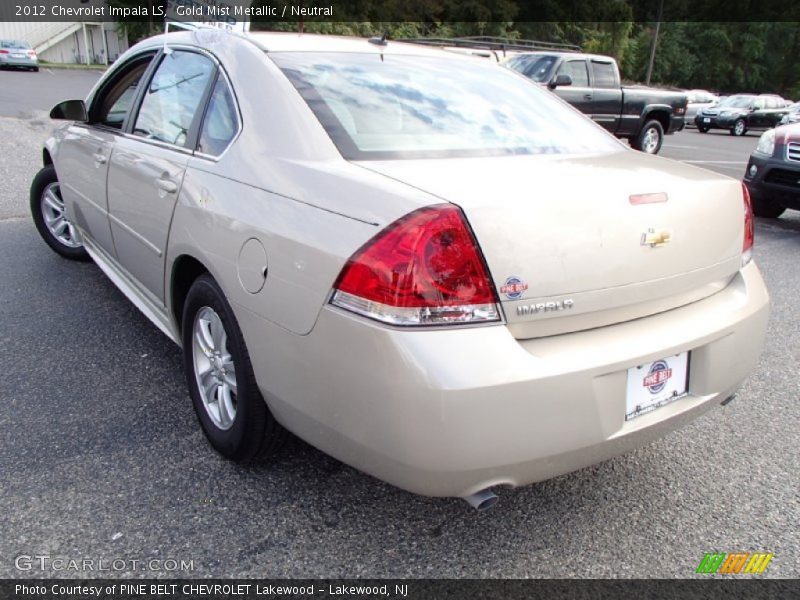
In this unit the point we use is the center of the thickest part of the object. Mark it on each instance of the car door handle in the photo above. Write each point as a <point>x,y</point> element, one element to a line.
<point>100,159</point>
<point>167,185</point>
<point>587,96</point>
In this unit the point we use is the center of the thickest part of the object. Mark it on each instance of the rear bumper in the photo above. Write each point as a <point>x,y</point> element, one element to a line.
<point>7,60</point>
<point>716,121</point>
<point>776,180</point>
<point>450,412</point>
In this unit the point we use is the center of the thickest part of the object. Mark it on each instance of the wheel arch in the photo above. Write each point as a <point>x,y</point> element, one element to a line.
<point>658,114</point>
<point>185,270</point>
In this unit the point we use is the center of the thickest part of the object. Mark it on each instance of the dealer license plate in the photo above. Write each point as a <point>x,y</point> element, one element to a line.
<point>655,384</point>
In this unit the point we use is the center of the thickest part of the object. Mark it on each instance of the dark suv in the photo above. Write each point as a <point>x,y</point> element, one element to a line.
<point>742,112</point>
<point>773,173</point>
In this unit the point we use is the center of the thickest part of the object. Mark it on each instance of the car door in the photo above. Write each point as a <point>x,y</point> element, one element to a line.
<point>606,94</point>
<point>757,118</point>
<point>579,94</point>
<point>148,165</point>
<point>86,149</point>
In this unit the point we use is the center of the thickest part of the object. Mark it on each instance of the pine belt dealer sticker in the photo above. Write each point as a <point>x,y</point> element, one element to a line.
<point>655,384</point>
<point>513,288</point>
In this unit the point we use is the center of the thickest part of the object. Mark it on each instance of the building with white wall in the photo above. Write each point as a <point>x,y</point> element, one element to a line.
<point>69,42</point>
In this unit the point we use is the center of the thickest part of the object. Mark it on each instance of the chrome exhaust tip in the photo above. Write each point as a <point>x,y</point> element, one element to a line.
<point>483,500</point>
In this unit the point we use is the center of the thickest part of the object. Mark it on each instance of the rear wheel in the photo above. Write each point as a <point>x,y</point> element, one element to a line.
<point>47,210</point>
<point>650,138</point>
<point>739,128</point>
<point>767,209</point>
<point>226,398</point>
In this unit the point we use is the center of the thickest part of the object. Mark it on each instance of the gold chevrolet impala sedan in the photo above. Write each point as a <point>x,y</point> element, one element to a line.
<point>414,260</point>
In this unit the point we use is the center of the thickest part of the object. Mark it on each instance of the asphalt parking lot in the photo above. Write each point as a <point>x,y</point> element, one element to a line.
<point>101,456</point>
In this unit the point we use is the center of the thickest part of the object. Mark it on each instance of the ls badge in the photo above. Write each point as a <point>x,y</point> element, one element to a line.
<point>654,239</point>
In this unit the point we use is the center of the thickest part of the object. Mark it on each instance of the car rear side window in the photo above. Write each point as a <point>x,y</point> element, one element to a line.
<point>577,70</point>
<point>173,96</point>
<point>221,122</point>
<point>604,75</point>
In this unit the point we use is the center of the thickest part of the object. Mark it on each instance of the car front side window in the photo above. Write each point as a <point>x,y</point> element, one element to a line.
<point>577,71</point>
<point>114,101</point>
<point>171,100</point>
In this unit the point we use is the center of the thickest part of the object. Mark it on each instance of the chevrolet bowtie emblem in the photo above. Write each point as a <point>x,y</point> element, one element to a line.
<point>653,238</point>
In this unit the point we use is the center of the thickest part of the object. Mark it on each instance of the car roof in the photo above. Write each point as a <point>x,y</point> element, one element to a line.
<point>309,42</point>
<point>565,54</point>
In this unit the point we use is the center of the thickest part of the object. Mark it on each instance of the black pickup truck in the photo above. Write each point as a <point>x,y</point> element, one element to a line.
<point>591,83</point>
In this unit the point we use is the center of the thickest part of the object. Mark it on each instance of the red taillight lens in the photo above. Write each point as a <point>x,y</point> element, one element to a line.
<point>424,269</point>
<point>3,51</point>
<point>32,54</point>
<point>749,227</point>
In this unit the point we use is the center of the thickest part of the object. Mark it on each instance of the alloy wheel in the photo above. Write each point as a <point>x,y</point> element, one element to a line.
<point>214,368</point>
<point>54,219</point>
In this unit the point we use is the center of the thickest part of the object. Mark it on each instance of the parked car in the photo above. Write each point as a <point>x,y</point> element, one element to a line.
<point>17,54</point>
<point>773,172</point>
<point>698,100</point>
<point>743,112</point>
<point>793,116</point>
<point>591,83</point>
<point>414,260</point>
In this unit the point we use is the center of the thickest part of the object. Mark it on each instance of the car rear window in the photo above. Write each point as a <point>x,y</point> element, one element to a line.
<point>400,106</point>
<point>14,44</point>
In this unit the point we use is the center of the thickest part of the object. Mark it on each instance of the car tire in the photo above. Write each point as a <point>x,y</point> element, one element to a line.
<point>739,128</point>
<point>47,210</point>
<point>35,69</point>
<point>767,209</point>
<point>650,138</point>
<point>231,410</point>
<point>703,128</point>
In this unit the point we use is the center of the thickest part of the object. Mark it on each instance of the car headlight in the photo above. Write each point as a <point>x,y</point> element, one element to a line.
<point>766,144</point>
<point>725,113</point>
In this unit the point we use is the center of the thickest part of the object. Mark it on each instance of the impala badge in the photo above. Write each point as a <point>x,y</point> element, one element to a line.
<point>654,239</point>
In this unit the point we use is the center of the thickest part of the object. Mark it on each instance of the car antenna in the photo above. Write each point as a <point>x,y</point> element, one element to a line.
<point>167,49</point>
<point>379,41</point>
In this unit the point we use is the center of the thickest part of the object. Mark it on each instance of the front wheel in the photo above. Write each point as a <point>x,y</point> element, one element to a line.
<point>739,128</point>
<point>703,128</point>
<point>650,138</point>
<point>47,210</point>
<point>223,387</point>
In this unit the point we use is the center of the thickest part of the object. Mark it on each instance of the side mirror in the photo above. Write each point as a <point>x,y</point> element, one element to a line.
<point>70,110</point>
<point>560,79</point>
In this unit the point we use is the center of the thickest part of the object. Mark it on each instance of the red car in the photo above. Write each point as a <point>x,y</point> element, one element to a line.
<point>773,173</point>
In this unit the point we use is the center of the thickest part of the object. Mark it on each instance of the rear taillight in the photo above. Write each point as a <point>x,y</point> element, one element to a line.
<point>749,227</point>
<point>423,269</point>
<point>3,51</point>
<point>32,54</point>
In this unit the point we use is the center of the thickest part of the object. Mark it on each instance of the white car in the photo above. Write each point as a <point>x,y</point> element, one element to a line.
<point>414,260</point>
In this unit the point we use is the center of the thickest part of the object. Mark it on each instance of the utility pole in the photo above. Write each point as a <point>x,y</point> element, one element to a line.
<point>655,42</point>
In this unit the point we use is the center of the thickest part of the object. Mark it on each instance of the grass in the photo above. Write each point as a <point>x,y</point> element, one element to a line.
<point>48,65</point>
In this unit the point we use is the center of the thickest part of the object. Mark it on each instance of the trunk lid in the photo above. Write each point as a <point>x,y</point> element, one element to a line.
<point>566,247</point>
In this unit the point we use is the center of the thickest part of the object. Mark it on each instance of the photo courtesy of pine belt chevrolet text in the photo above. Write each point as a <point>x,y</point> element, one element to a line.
<point>420,262</point>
